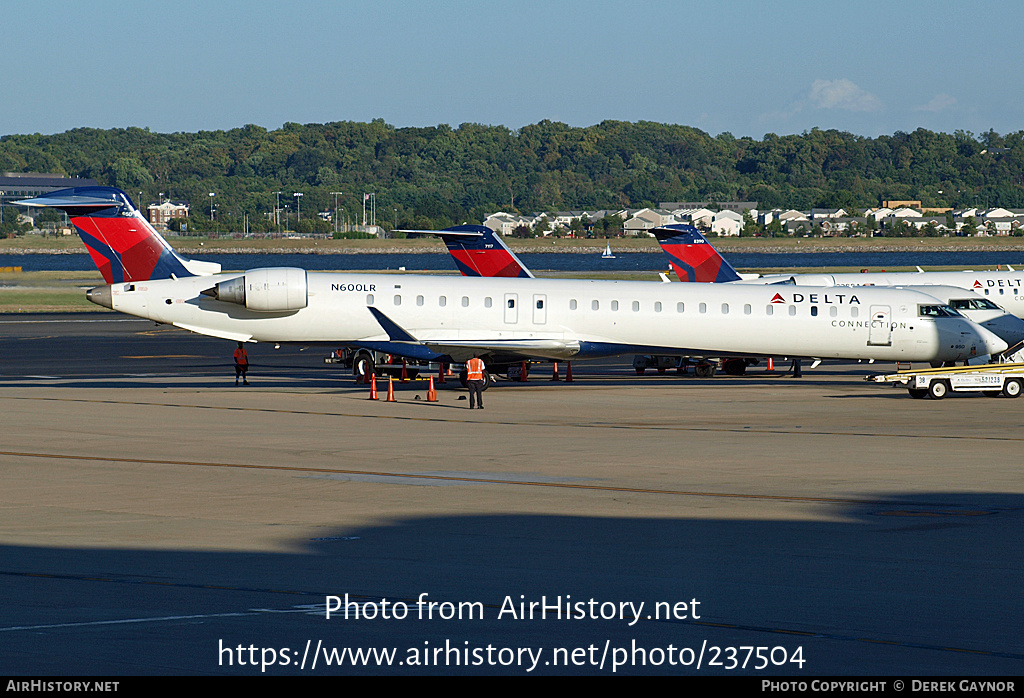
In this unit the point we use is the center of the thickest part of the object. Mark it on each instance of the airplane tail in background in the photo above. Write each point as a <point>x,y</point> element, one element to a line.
<point>692,257</point>
<point>479,251</point>
<point>120,240</point>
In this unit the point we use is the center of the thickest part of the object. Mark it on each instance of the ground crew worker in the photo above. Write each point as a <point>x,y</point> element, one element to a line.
<point>475,380</point>
<point>241,364</point>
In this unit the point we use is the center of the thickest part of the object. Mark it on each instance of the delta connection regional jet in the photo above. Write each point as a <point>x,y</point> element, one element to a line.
<point>504,319</point>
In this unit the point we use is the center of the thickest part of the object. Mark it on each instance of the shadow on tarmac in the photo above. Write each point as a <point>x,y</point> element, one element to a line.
<point>906,585</point>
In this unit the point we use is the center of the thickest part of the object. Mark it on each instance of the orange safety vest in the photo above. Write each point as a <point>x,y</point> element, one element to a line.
<point>241,357</point>
<point>475,369</point>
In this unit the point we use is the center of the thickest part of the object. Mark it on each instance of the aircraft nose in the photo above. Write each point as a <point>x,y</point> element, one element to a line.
<point>1009,328</point>
<point>992,343</point>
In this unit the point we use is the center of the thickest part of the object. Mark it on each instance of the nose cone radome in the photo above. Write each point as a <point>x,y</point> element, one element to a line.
<point>1008,328</point>
<point>100,296</point>
<point>992,343</point>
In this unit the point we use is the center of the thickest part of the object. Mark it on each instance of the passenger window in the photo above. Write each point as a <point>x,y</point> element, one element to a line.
<point>792,310</point>
<point>725,308</point>
<point>769,310</point>
<point>369,299</point>
<point>572,304</point>
<point>442,301</point>
<point>540,305</point>
<point>595,305</point>
<point>702,308</point>
<point>487,302</point>
<point>680,307</point>
<point>814,311</point>
<point>636,306</point>
<point>854,312</point>
<point>657,306</point>
<point>511,302</point>
<point>398,300</point>
<point>747,309</point>
<point>419,300</point>
<point>833,311</point>
<point>465,301</point>
<point>615,305</point>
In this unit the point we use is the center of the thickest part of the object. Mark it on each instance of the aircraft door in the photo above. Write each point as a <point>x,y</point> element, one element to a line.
<point>511,308</point>
<point>880,332</point>
<point>540,309</point>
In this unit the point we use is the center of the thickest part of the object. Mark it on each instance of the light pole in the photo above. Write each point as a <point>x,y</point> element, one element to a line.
<point>212,194</point>
<point>336,193</point>
<point>298,205</point>
<point>277,212</point>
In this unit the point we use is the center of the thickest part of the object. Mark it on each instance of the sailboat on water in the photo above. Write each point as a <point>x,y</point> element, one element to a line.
<point>608,252</point>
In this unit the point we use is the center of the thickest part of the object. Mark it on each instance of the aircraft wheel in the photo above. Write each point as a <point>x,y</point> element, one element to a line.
<point>363,366</point>
<point>938,389</point>
<point>918,393</point>
<point>704,370</point>
<point>1013,388</point>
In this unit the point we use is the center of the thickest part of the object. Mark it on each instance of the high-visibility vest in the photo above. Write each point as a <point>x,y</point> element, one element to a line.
<point>241,357</point>
<point>475,369</point>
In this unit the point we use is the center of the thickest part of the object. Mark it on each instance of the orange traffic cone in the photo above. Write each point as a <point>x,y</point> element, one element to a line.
<point>568,372</point>
<point>771,364</point>
<point>405,376</point>
<point>431,393</point>
<point>440,372</point>
<point>391,389</point>
<point>522,372</point>
<point>373,385</point>
<point>554,373</point>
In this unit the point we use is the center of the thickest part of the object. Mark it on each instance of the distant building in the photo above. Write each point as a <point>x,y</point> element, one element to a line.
<point>19,185</point>
<point>901,204</point>
<point>161,214</point>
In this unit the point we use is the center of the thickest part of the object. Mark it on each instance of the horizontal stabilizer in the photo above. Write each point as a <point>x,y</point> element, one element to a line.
<point>479,251</point>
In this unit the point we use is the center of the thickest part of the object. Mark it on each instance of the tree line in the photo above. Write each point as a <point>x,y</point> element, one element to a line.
<point>438,176</point>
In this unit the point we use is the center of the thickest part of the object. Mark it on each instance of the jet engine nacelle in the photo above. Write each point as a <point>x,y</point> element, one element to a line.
<point>275,288</point>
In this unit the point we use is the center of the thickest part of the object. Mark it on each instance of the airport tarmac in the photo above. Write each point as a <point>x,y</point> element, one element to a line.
<point>156,519</point>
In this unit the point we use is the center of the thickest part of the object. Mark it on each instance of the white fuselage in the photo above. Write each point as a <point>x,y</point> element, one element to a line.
<point>577,319</point>
<point>1004,288</point>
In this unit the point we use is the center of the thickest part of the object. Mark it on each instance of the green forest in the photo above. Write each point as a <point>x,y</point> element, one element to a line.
<point>438,176</point>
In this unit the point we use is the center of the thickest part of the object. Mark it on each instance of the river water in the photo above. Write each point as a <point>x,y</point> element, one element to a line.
<point>577,262</point>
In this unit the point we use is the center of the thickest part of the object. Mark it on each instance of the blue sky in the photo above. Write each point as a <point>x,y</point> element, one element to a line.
<point>746,67</point>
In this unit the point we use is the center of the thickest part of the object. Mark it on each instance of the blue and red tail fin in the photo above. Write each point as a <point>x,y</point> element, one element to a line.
<point>120,240</point>
<point>479,251</point>
<point>692,257</point>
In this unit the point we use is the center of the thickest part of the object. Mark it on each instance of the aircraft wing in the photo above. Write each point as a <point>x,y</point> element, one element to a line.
<point>461,349</point>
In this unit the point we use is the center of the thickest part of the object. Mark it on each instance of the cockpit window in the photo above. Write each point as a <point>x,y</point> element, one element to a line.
<point>973,304</point>
<point>936,311</point>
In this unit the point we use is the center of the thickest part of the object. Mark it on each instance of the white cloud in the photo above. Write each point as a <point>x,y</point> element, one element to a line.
<point>842,94</point>
<point>940,102</point>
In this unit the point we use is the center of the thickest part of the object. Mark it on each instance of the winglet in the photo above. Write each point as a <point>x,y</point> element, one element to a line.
<point>394,331</point>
